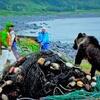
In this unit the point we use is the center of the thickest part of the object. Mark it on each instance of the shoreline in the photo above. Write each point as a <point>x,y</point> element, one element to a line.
<point>20,21</point>
<point>46,17</point>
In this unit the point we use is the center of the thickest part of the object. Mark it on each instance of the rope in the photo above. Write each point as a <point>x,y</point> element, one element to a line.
<point>54,92</point>
<point>65,88</point>
<point>25,98</point>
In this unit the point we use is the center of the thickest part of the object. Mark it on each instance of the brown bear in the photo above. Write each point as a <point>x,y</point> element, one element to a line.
<point>88,48</point>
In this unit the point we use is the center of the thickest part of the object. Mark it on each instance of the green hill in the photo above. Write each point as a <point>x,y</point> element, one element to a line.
<point>31,7</point>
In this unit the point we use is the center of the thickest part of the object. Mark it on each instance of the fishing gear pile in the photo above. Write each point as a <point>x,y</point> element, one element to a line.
<point>43,74</point>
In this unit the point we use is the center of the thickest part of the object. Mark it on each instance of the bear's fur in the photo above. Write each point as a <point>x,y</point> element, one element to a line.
<point>88,48</point>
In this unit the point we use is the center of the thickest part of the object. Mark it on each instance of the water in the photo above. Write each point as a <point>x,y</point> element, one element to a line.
<point>68,28</point>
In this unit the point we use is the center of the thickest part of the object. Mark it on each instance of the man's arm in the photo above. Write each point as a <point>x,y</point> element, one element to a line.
<point>39,38</point>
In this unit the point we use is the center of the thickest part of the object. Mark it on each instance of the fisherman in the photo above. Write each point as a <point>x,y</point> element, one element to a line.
<point>6,41</point>
<point>43,39</point>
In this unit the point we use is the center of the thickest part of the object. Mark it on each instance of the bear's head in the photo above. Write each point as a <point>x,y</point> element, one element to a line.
<point>78,40</point>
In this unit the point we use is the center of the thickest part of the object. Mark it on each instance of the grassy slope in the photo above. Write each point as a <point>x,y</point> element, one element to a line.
<point>85,66</point>
<point>31,7</point>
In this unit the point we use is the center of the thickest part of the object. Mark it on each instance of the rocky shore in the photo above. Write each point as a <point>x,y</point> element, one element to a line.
<point>66,48</point>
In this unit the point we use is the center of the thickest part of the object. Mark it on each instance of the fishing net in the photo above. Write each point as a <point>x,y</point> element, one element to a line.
<point>42,78</point>
<point>37,82</point>
<point>79,94</point>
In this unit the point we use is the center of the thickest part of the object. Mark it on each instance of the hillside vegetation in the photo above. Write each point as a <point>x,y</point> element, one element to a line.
<point>30,7</point>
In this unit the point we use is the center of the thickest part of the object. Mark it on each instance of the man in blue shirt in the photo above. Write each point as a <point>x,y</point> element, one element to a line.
<point>43,39</point>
